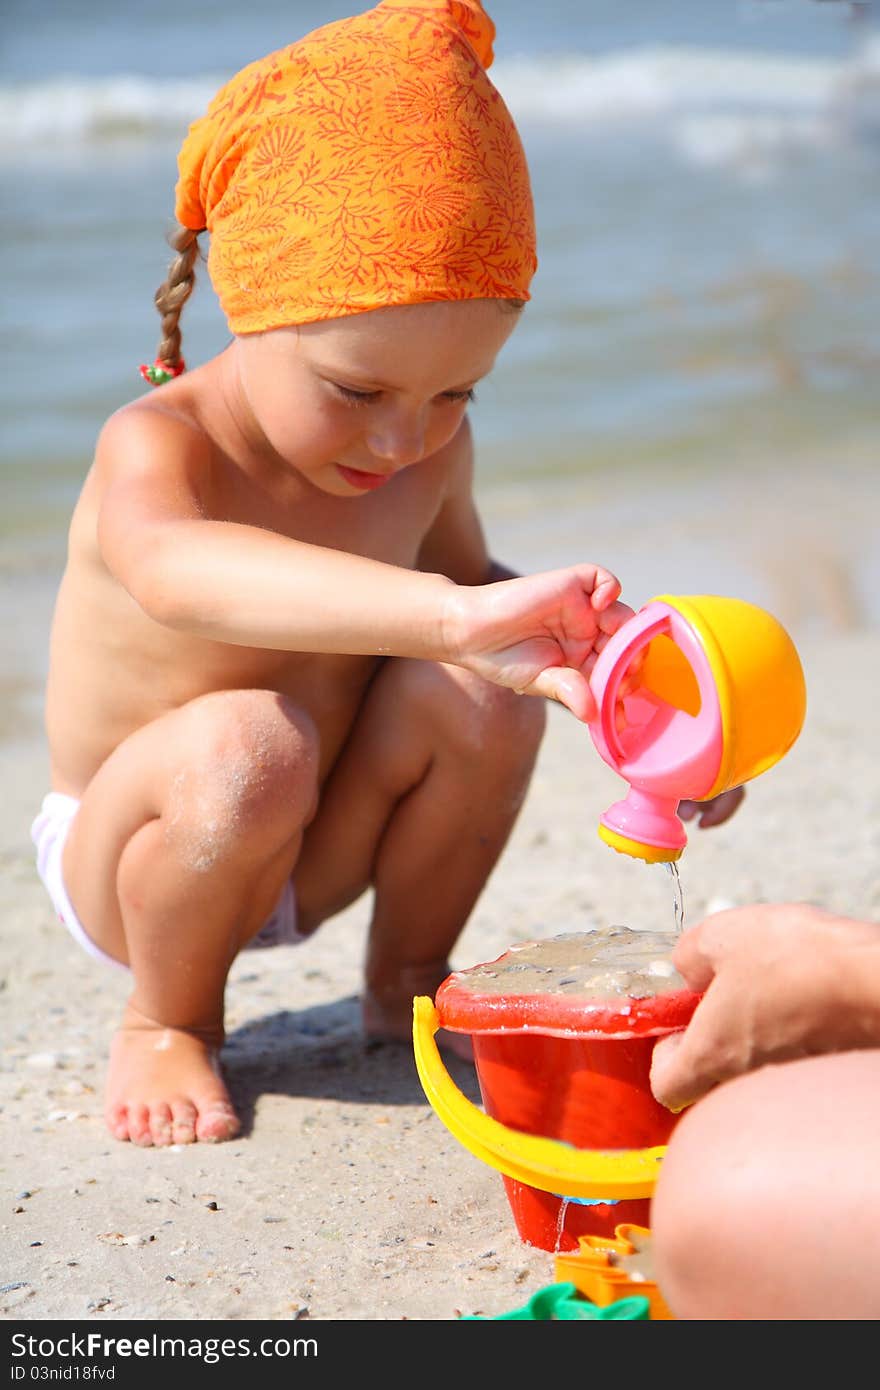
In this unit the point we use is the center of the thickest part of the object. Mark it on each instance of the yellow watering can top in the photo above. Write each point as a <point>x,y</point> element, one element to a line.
<point>759,682</point>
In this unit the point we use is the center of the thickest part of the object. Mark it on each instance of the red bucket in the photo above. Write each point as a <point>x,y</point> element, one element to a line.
<point>555,1061</point>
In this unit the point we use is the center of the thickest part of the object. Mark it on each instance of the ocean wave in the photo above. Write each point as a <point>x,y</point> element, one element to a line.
<point>78,111</point>
<point>713,103</point>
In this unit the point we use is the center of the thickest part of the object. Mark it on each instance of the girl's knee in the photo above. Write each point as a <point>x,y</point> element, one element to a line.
<point>477,718</point>
<point>249,757</point>
<point>497,724</point>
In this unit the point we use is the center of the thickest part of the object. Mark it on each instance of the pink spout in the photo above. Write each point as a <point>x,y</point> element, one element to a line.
<point>648,819</point>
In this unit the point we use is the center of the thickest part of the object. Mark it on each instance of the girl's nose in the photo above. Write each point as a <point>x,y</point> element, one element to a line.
<point>398,439</point>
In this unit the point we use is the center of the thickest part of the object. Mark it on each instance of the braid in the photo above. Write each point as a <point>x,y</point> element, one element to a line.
<point>173,294</point>
<point>169,299</point>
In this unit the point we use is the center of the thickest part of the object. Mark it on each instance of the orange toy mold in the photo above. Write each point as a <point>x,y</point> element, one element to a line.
<point>606,1269</point>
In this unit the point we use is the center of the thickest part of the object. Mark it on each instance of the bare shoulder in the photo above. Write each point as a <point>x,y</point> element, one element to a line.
<point>155,465</point>
<point>155,434</point>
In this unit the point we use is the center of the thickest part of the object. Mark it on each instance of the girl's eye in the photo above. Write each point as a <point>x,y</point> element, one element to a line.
<point>353,397</point>
<point>356,397</point>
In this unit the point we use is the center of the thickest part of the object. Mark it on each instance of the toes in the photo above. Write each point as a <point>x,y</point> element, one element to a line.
<point>218,1121</point>
<point>183,1122</point>
<point>139,1131</point>
<point>160,1124</point>
<point>116,1119</point>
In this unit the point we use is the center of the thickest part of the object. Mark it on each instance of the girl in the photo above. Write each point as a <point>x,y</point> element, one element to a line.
<point>284,668</point>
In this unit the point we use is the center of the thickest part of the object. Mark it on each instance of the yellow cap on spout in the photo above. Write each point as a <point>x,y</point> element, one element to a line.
<point>651,854</point>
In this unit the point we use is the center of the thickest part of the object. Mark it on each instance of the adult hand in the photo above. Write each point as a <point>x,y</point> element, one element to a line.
<point>780,981</point>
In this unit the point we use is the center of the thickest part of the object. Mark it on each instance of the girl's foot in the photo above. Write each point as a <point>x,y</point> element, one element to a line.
<point>164,1086</point>
<point>389,1015</point>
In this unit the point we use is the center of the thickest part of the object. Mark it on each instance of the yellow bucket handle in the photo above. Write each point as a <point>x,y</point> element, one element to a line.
<point>547,1164</point>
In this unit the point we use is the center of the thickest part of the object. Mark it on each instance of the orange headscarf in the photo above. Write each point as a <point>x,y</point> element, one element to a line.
<point>371,163</point>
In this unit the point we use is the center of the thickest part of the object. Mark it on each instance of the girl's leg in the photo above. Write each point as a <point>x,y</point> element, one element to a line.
<point>419,807</point>
<point>767,1204</point>
<point>178,853</point>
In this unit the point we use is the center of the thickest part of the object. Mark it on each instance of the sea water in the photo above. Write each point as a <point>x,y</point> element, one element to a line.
<point>709,240</point>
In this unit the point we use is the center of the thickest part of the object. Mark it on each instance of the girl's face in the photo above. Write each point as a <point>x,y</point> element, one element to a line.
<point>351,401</point>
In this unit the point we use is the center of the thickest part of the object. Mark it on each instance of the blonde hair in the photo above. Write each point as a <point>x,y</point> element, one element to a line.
<point>173,293</point>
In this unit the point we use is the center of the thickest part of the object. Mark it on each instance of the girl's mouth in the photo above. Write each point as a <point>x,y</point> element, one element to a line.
<point>366,482</point>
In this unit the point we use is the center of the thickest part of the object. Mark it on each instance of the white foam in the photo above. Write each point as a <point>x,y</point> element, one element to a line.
<point>72,110</point>
<point>714,106</point>
<point>658,80</point>
<point>765,92</point>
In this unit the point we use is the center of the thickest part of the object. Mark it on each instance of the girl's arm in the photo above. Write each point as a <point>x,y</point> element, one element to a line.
<point>240,584</point>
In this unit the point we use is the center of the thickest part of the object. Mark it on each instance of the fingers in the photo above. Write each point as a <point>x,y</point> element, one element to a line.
<point>717,1045</point>
<point>686,1065</point>
<point>722,807</point>
<point>568,687</point>
<point>690,958</point>
<point>604,585</point>
<point>673,1084</point>
<point>612,616</point>
<point>713,812</point>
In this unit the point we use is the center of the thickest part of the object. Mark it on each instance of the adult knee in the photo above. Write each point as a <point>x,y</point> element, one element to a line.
<point>718,1197</point>
<point>746,1178</point>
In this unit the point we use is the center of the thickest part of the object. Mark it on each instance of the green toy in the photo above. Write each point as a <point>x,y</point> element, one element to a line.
<point>563,1303</point>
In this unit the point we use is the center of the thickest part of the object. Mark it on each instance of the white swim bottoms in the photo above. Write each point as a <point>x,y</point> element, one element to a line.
<point>49,834</point>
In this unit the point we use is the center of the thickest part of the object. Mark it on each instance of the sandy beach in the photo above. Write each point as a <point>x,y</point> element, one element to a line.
<point>345,1197</point>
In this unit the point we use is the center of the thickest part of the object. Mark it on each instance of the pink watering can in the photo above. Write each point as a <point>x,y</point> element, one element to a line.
<point>695,696</point>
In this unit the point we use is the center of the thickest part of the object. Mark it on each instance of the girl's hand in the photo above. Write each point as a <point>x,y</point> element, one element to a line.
<point>779,981</point>
<point>539,634</point>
